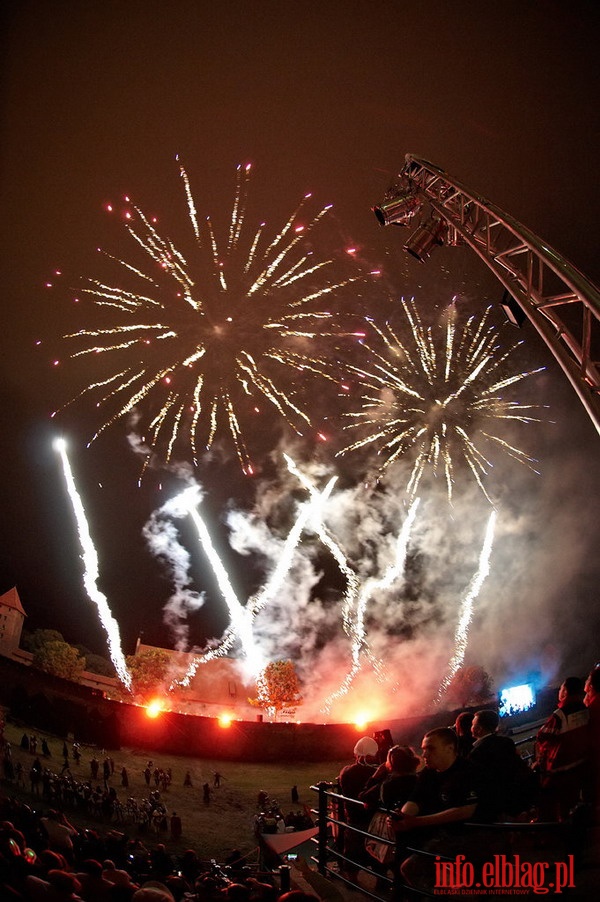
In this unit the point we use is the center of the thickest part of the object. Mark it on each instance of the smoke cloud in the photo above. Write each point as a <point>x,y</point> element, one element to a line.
<point>164,542</point>
<point>521,628</point>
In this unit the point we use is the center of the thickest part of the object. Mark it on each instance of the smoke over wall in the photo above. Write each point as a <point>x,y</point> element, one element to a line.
<point>527,618</point>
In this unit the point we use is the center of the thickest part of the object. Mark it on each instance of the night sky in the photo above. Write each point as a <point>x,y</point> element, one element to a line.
<point>97,100</point>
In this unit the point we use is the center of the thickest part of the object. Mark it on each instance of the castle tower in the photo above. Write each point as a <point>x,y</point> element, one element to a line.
<point>12,616</point>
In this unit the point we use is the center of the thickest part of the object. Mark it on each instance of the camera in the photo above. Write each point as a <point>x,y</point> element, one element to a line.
<point>217,871</point>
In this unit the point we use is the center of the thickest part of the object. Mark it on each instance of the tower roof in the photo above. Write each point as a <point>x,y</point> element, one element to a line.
<point>11,599</point>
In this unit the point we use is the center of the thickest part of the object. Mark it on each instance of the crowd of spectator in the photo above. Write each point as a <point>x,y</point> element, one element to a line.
<point>271,819</point>
<point>44,858</point>
<point>470,773</point>
<point>467,772</point>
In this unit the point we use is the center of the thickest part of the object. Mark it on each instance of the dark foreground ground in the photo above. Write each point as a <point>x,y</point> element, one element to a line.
<point>213,829</point>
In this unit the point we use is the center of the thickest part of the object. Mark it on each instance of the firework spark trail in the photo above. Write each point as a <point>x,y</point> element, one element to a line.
<point>360,645</point>
<point>242,618</point>
<point>431,394</point>
<point>461,635</point>
<point>206,340</point>
<point>91,571</point>
<point>309,510</point>
<point>352,582</point>
<point>187,502</point>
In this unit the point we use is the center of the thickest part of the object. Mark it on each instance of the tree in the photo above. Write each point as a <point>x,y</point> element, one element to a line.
<point>96,663</point>
<point>36,640</point>
<point>278,687</point>
<point>470,685</point>
<point>148,672</point>
<point>59,658</point>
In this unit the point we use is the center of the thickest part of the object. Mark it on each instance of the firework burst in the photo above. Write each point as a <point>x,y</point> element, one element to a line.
<point>438,396</point>
<point>195,345</point>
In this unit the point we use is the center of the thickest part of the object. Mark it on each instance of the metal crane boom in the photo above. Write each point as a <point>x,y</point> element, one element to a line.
<point>559,301</point>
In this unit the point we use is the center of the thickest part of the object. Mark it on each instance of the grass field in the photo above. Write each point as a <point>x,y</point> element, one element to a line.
<point>213,830</point>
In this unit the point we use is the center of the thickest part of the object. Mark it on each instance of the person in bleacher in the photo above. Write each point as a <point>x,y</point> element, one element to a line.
<point>592,703</point>
<point>562,753</point>
<point>507,785</point>
<point>445,795</point>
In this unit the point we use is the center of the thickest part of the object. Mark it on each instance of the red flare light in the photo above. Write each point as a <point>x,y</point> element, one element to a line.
<point>153,708</point>
<point>361,720</point>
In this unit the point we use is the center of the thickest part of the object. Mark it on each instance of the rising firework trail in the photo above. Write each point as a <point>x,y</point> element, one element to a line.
<point>360,646</point>
<point>435,395</point>
<point>198,344</point>
<point>242,617</point>
<point>352,581</point>
<point>309,511</point>
<point>461,635</point>
<point>91,571</point>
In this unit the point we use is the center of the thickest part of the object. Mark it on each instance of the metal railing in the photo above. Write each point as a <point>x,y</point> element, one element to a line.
<point>332,862</point>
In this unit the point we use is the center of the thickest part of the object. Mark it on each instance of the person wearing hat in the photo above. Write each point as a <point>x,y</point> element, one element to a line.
<point>352,779</point>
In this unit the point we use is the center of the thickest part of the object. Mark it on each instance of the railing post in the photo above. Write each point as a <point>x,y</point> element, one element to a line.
<point>323,828</point>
